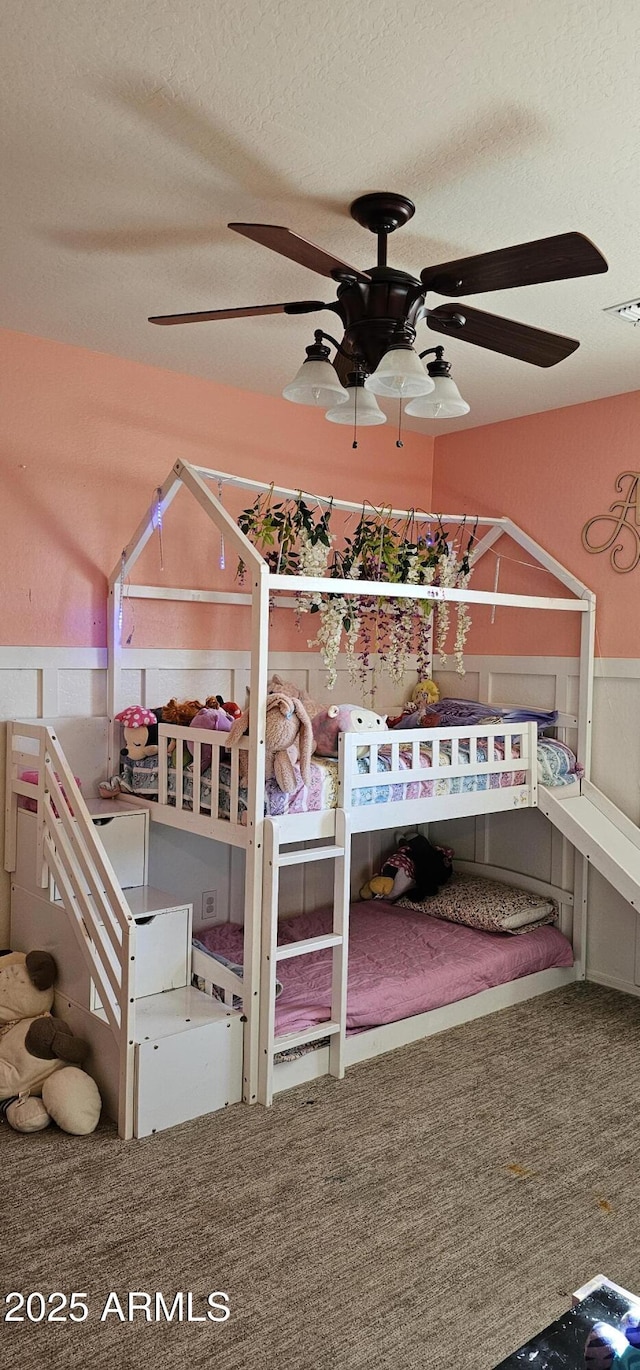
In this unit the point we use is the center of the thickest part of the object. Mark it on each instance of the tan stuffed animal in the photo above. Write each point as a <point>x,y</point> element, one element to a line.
<point>288,739</point>
<point>277,686</point>
<point>39,1056</point>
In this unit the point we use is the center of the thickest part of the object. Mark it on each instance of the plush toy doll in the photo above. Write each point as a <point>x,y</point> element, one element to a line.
<point>607,1348</point>
<point>276,686</point>
<point>343,718</point>
<point>216,720</point>
<point>416,867</point>
<point>184,711</point>
<point>136,722</point>
<point>40,1058</point>
<point>288,740</point>
<point>230,707</point>
<point>423,695</point>
<point>425,692</point>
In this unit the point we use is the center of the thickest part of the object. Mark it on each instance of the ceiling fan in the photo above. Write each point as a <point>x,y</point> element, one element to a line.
<point>380,308</point>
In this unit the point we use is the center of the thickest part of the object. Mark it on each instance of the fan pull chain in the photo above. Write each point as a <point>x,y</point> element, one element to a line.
<point>495,588</point>
<point>157,519</point>
<point>399,442</point>
<point>355,416</point>
<point>222,557</point>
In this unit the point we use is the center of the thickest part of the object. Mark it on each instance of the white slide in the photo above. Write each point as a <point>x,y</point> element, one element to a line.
<point>602,832</point>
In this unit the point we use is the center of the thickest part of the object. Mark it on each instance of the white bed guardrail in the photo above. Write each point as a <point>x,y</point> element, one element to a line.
<point>68,848</point>
<point>190,783</point>
<point>409,756</point>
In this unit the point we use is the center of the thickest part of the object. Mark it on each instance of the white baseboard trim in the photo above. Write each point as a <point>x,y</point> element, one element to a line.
<point>611,982</point>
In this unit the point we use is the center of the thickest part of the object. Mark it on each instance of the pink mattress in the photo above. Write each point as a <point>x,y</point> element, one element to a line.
<point>400,963</point>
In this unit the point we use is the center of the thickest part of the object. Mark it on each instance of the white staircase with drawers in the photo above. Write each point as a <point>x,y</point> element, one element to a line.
<point>182,1049</point>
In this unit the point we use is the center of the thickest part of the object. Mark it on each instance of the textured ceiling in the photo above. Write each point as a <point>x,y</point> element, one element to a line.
<point>132,133</point>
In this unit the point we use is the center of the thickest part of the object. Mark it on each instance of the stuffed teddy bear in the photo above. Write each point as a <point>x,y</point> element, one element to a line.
<point>183,712</point>
<point>416,866</point>
<point>288,740</point>
<point>342,718</point>
<point>40,1058</point>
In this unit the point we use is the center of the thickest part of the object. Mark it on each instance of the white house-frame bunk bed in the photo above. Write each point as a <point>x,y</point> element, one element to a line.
<point>68,848</point>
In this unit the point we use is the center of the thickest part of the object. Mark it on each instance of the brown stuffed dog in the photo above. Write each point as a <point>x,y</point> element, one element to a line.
<point>39,1055</point>
<point>288,739</point>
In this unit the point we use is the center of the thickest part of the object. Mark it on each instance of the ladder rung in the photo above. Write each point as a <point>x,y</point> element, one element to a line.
<point>295,858</point>
<point>331,939</point>
<point>300,1039</point>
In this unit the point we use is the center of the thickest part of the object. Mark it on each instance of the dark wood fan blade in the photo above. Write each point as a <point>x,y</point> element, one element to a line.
<point>207,315</point>
<point>299,250</point>
<point>546,259</point>
<point>501,335</point>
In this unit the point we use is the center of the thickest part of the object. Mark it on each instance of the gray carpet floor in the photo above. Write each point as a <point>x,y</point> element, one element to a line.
<point>432,1210</point>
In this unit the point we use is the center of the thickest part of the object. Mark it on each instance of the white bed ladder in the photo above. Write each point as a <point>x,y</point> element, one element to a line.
<point>338,940</point>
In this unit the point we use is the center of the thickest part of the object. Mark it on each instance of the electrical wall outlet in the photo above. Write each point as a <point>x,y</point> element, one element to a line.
<point>209,903</point>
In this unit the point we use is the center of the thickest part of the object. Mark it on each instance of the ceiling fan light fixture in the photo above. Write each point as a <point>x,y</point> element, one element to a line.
<point>445,400</point>
<point>316,383</point>
<point>400,375</point>
<point>362,409</point>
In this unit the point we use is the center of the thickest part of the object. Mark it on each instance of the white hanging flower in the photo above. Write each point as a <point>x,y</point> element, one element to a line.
<point>463,623</point>
<point>447,568</point>
<point>329,635</point>
<point>313,561</point>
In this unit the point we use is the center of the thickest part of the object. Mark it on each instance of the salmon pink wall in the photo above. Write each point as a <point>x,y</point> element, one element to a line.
<point>550,473</point>
<point>85,440</point>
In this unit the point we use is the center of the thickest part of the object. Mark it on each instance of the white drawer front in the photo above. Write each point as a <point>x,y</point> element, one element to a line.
<point>163,954</point>
<point>124,838</point>
<point>184,1076</point>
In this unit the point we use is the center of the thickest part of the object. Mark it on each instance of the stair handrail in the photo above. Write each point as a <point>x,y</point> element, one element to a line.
<point>67,845</point>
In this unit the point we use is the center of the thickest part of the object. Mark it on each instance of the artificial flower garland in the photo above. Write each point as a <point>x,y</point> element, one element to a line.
<point>295,537</point>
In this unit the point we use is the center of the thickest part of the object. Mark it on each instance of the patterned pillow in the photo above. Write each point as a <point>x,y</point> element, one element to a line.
<point>485,904</point>
<point>557,765</point>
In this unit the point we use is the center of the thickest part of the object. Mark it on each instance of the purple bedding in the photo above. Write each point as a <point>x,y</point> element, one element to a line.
<point>400,963</point>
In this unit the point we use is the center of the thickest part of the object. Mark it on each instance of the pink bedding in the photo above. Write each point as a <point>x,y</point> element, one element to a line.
<point>400,963</point>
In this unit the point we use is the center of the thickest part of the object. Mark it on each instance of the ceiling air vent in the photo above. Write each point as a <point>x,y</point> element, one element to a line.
<point>629,311</point>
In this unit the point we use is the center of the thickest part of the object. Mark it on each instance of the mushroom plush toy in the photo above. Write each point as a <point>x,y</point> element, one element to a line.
<point>136,721</point>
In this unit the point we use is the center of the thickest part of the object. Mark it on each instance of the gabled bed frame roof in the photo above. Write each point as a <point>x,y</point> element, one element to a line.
<point>265,583</point>
<point>194,479</point>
